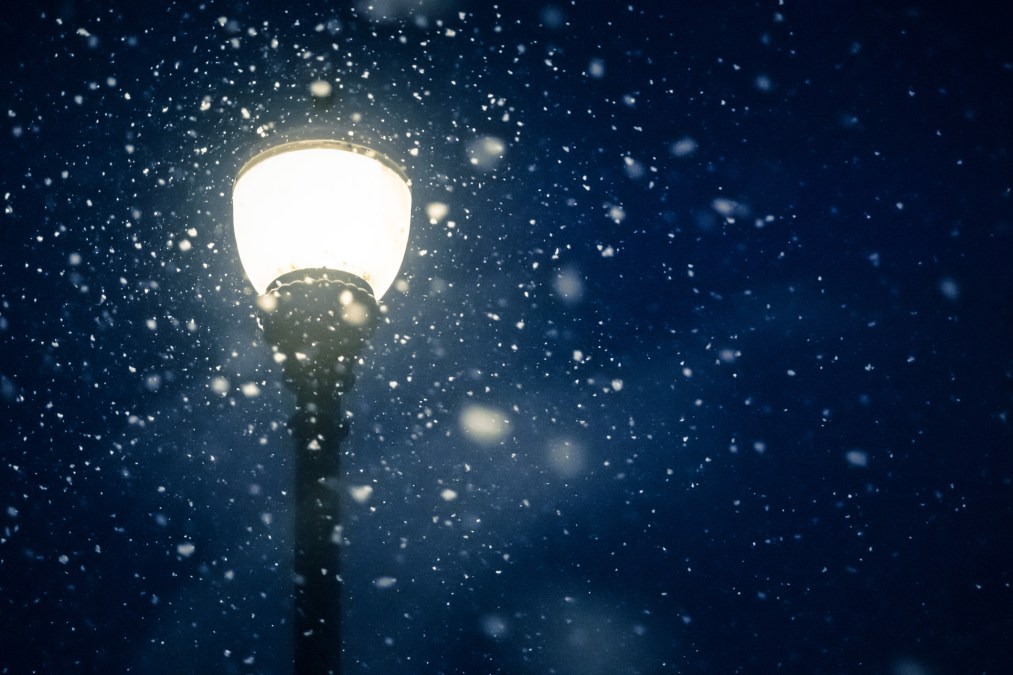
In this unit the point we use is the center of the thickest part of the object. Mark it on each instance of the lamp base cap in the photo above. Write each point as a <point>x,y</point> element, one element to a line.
<point>319,321</point>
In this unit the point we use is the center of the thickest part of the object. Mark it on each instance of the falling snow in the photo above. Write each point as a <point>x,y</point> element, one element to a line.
<point>703,331</point>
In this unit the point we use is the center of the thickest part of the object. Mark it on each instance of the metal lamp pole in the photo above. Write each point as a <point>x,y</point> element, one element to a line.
<point>319,324</point>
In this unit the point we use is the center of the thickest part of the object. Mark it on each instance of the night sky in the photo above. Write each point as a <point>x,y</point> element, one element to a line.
<point>700,360</point>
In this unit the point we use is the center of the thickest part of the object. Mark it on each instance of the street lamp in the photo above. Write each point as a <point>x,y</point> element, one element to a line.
<point>321,227</point>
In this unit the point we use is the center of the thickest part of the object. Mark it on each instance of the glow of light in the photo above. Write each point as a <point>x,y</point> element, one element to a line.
<point>321,204</point>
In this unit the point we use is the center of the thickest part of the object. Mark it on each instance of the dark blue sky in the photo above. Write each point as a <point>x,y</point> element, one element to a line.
<point>705,368</point>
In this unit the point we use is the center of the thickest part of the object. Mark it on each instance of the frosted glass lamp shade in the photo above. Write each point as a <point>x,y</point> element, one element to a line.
<point>321,204</point>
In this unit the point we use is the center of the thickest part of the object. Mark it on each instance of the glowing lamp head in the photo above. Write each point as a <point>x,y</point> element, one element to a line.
<point>321,205</point>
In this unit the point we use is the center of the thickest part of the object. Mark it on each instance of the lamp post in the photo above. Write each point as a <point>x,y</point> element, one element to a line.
<point>321,227</point>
